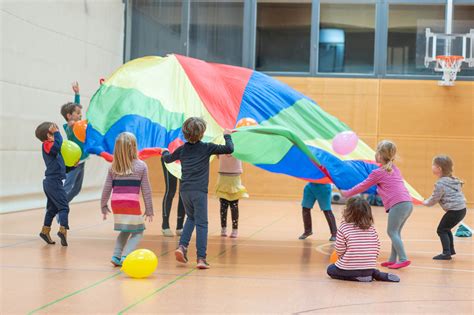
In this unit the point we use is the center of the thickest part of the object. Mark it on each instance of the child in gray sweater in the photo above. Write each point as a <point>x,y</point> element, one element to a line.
<point>448,193</point>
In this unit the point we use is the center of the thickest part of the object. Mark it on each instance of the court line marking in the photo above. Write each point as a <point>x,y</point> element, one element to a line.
<point>94,284</point>
<point>37,239</point>
<point>82,289</point>
<point>193,269</point>
<point>375,303</point>
<point>269,278</point>
<point>320,250</point>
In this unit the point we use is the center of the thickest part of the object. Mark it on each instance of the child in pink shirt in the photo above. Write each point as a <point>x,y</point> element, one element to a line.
<point>395,197</point>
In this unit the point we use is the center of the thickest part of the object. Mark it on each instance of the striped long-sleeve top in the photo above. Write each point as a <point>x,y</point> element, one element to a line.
<point>125,203</point>
<point>356,248</point>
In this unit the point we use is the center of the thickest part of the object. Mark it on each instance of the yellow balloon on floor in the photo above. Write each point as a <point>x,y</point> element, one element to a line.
<point>333,257</point>
<point>140,263</point>
<point>71,153</point>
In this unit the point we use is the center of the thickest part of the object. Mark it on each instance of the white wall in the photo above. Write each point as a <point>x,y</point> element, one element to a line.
<point>46,45</point>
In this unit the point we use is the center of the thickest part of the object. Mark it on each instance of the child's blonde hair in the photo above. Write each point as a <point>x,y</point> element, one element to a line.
<point>125,152</point>
<point>387,150</point>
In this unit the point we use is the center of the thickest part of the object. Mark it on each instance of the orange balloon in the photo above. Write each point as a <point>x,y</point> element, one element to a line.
<point>245,122</point>
<point>333,257</point>
<point>79,130</point>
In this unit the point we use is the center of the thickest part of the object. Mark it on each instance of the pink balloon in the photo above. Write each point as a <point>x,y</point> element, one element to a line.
<point>345,142</point>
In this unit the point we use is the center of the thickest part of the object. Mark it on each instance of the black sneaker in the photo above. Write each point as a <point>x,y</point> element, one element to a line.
<point>305,235</point>
<point>442,257</point>
<point>181,254</point>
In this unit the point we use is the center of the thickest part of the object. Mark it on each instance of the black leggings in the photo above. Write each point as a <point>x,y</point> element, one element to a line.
<point>352,275</point>
<point>448,221</point>
<point>234,209</point>
<point>171,184</point>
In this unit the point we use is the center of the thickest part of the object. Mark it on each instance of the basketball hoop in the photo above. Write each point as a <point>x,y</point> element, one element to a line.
<point>450,66</point>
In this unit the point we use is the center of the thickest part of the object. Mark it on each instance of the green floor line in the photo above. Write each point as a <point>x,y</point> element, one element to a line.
<point>82,290</point>
<point>192,270</point>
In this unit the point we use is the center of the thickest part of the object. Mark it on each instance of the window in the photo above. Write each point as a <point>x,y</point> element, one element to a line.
<point>283,36</point>
<point>346,38</point>
<point>463,21</point>
<point>156,28</point>
<point>406,36</point>
<point>216,31</point>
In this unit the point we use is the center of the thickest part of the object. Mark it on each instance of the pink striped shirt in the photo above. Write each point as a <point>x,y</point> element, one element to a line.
<point>390,187</point>
<point>356,248</point>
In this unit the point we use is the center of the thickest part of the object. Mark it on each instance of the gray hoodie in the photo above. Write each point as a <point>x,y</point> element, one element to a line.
<point>448,192</point>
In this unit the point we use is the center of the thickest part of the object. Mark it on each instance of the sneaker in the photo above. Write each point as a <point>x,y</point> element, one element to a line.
<point>63,235</point>
<point>364,279</point>
<point>181,254</point>
<point>305,235</point>
<point>116,261</point>
<point>202,264</point>
<point>224,232</point>
<point>179,232</point>
<point>167,233</point>
<point>332,239</point>
<point>387,263</point>
<point>234,233</point>
<point>122,259</point>
<point>442,257</point>
<point>393,278</point>
<point>400,264</point>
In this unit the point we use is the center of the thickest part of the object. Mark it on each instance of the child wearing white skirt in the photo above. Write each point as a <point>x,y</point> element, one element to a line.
<point>230,190</point>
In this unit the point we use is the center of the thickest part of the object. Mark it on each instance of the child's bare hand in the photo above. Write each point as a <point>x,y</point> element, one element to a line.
<point>149,218</point>
<point>227,131</point>
<point>53,128</point>
<point>344,193</point>
<point>75,87</point>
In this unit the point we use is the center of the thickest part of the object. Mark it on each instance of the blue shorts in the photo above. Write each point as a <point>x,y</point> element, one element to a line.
<point>319,192</point>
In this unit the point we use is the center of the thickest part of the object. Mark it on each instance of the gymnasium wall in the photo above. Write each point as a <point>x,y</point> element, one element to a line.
<point>423,119</point>
<point>39,62</point>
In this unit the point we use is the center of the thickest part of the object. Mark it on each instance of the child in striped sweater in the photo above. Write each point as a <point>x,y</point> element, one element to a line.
<point>127,176</point>
<point>358,246</point>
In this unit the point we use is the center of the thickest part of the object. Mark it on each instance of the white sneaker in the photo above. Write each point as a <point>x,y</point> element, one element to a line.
<point>179,232</point>
<point>167,233</point>
<point>234,233</point>
<point>224,232</point>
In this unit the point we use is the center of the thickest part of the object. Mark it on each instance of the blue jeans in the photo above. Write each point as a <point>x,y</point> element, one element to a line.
<point>73,184</point>
<point>195,203</point>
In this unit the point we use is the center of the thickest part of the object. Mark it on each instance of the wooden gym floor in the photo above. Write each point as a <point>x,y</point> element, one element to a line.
<point>266,270</point>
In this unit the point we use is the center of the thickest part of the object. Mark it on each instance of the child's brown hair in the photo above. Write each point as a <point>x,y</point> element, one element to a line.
<point>359,213</point>
<point>69,108</point>
<point>193,129</point>
<point>445,163</point>
<point>42,131</point>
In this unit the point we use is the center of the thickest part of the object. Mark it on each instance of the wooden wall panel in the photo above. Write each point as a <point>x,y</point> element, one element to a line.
<point>423,118</point>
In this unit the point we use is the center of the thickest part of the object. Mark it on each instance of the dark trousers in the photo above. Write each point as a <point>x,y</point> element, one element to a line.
<point>195,203</point>
<point>171,183</point>
<point>449,220</point>
<point>234,209</point>
<point>352,275</point>
<point>57,203</point>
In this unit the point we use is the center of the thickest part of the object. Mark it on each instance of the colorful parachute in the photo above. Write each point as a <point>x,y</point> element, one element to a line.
<point>152,96</point>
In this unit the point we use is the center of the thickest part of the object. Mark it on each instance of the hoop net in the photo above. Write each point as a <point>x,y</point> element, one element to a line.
<point>450,66</point>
